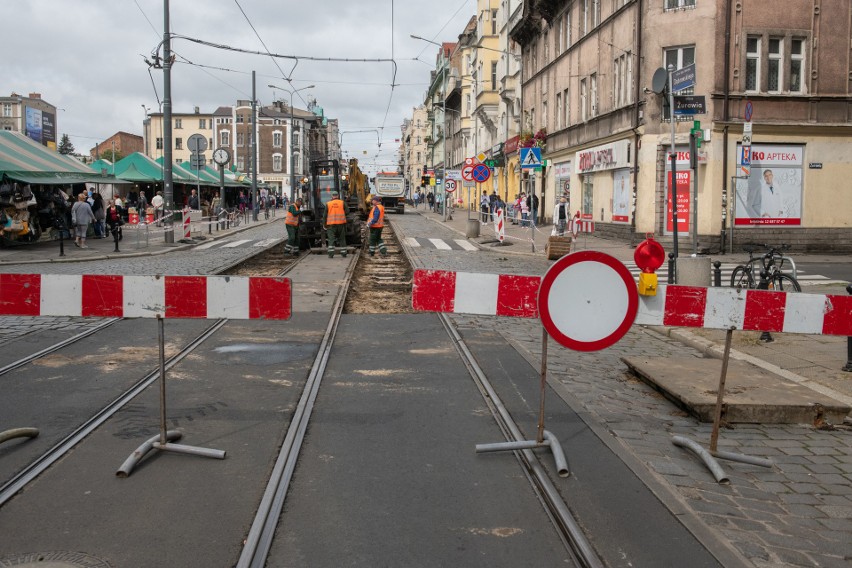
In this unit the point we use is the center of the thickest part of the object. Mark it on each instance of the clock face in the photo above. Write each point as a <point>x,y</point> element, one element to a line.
<point>221,156</point>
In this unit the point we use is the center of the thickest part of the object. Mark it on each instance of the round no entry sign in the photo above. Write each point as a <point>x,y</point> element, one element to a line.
<point>587,301</point>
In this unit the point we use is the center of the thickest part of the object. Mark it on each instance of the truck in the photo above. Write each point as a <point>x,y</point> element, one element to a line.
<point>390,188</point>
<point>325,179</point>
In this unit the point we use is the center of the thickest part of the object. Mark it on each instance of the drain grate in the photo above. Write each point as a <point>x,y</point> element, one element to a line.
<point>54,560</point>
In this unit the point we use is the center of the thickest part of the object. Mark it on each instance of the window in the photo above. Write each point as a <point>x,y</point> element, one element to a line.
<point>774,76</point>
<point>567,99</point>
<point>546,51</point>
<point>241,139</point>
<point>178,143</point>
<point>797,64</point>
<point>568,28</point>
<point>675,4</point>
<point>7,109</point>
<point>241,163</point>
<point>583,106</point>
<point>277,162</point>
<point>622,80</point>
<point>493,22</point>
<point>202,124</point>
<point>593,94</point>
<point>240,119</point>
<point>560,34</point>
<point>277,139</point>
<point>418,141</point>
<point>588,195</point>
<point>178,123</point>
<point>225,136</point>
<point>586,16</point>
<point>544,114</point>
<point>493,75</point>
<point>596,13</point>
<point>210,142</point>
<point>468,103</point>
<point>418,157</point>
<point>159,143</point>
<point>752,69</point>
<point>558,111</point>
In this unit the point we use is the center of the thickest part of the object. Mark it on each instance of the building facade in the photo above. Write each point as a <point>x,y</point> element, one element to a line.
<point>595,81</point>
<point>413,150</point>
<point>31,116</point>
<point>119,144</point>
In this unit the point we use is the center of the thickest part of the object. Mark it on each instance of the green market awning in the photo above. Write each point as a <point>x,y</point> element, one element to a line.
<point>25,160</point>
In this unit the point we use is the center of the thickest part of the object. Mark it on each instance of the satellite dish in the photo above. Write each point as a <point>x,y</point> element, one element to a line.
<point>658,82</point>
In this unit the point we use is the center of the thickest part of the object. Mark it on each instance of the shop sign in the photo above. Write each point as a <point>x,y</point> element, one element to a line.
<point>511,145</point>
<point>562,169</point>
<point>605,157</point>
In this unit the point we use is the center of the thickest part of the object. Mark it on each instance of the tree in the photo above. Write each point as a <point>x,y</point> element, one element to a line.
<point>65,145</point>
<point>107,155</point>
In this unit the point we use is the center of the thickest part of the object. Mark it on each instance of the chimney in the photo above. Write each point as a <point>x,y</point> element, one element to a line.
<point>197,110</point>
<point>35,95</point>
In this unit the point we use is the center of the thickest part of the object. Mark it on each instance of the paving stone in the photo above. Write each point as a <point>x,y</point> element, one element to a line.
<point>836,512</point>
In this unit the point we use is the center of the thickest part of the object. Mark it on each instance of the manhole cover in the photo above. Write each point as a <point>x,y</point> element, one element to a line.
<point>54,560</point>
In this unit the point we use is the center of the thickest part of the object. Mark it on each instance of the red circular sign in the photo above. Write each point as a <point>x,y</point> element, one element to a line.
<point>649,255</point>
<point>587,301</point>
<point>467,173</point>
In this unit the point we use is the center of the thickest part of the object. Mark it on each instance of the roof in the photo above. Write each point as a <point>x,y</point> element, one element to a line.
<point>25,160</point>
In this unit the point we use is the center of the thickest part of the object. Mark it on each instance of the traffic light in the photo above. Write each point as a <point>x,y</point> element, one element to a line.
<point>424,180</point>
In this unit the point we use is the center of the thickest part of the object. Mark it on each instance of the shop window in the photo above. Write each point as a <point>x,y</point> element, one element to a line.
<point>588,196</point>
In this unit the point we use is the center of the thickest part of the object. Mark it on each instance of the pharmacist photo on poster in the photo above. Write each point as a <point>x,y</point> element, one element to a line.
<point>772,195</point>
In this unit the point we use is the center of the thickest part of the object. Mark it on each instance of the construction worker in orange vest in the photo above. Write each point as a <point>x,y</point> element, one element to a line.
<point>376,222</point>
<point>335,222</point>
<point>292,223</point>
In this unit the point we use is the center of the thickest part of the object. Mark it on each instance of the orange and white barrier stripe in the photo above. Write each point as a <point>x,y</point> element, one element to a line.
<point>95,295</point>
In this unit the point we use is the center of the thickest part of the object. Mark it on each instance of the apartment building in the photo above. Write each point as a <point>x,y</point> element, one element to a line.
<point>184,125</point>
<point>595,76</point>
<point>30,115</point>
<point>413,149</point>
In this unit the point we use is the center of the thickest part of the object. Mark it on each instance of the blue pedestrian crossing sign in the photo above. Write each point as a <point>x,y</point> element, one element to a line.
<point>530,158</point>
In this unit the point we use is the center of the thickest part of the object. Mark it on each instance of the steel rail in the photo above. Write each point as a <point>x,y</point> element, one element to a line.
<point>569,530</point>
<point>57,346</point>
<point>58,450</point>
<point>44,461</point>
<point>258,542</point>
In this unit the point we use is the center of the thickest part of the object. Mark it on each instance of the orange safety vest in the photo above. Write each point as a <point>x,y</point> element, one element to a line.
<point>334,213</point>
<point>291,219</point>
<point>381,222</point>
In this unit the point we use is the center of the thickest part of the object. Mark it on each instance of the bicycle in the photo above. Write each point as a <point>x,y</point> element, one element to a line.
<point>771,277</point>
<point>234,217</point>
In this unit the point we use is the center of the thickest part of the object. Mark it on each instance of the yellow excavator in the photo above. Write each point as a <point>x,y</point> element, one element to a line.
<point>359,187</point>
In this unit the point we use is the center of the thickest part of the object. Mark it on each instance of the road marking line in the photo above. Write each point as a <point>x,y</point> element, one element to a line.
<point>209,245</point>
<point>465,245</point>
<point>235,244</point>
<point>412,241</point>
<point>441,245</point>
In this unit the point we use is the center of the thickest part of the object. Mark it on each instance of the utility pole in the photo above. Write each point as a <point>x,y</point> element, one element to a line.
<point>253,158</point>
<point>674,170</point>
<point>168,192</point>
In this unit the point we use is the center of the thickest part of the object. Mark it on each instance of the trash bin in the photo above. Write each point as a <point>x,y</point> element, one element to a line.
<point>472,228</point>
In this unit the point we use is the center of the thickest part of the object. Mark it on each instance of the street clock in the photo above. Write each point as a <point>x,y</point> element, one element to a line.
<point>221,156</point>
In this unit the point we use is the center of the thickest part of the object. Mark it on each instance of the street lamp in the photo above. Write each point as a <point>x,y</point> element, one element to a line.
<point>290,144</point>
<point>445,62</point>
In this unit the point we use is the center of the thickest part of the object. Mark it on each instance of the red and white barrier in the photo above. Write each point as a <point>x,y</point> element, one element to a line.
<point>187,223</point>
<point>500,225</point>
<point>577,226</point>
<point>755,310</point>
<point>95,295</point>
<point>475,293</point>
<point>673,306</point>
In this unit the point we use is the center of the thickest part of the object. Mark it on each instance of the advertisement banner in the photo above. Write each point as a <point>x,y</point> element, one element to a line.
<point>48,129</point>
<point>33,126</point>
<point>683,201</point>
<point>621,194</point>
<point>772,193</point>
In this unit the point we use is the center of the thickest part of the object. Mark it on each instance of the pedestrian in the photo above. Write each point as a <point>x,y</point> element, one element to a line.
<point>375,223</point>
<point>81,216</point>
<point>335,222</point>
<point>525,212</point>
<point>291,221</point>
<point>114,221</point>
<point>142,205</point>
<point>193,200</point>
<point>416,197</point>
<point>561,215</point>
<point>430,199</point>
<point>97,205</point>
<point>157,203</point>
<point>532,206</point>
<point>483,208</point>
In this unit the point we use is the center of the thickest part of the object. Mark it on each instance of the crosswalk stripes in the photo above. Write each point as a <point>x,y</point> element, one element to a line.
<point>235,244</point>
<point>440,244</point>
<point>465,244</point>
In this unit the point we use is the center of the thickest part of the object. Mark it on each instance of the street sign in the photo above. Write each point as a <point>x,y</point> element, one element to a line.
<point>467,173</point>
<point>690,104</point>
<point>197,161</point>
<point>683,78</point>
<point>453,174</point>
<point>749,111</point>
<point>481,156</point>
<point>530,158</point>
<point>470,161</point>
<point>747,134</point>
<point>450,185</point>
<point>481,173</point>
<point>196,143</point>
<point>587,300</point>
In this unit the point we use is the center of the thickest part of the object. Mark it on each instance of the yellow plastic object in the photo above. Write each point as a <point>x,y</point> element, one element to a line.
<point>647,284</point>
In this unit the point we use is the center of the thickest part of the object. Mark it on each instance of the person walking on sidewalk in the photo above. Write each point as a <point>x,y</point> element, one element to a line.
<point>376,223</point>
<point>430,199</point>
<point>291,221</point>
<point>335,222</point>
<point>81,216</point>
<point>525,211</point>
<point>561,216</point>
<point>483,208</point>
<point>532,205</point>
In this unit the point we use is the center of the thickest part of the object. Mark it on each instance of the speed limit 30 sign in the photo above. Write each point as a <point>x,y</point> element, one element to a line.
<point>450,185</point>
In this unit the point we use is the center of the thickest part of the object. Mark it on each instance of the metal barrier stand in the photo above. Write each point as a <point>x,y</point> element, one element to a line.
<point>544,438</point>
<point>164,440</point>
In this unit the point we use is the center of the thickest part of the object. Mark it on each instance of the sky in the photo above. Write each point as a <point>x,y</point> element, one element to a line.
<point>88,58</point>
